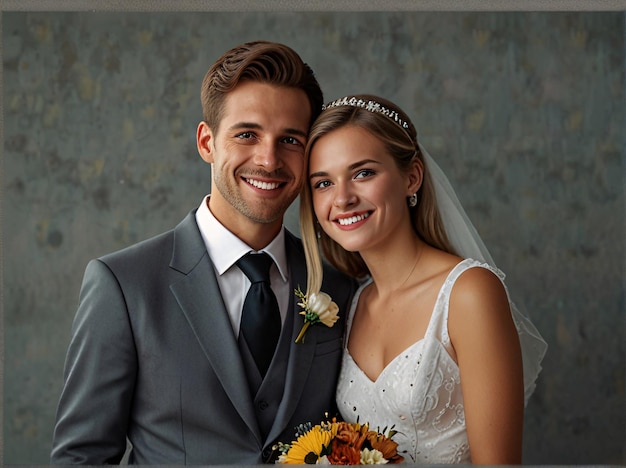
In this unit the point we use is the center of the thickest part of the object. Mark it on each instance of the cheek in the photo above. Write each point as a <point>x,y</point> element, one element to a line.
<point>391,192</point>
<point>291,161</point>
<point>319,206</point>
<point>296,166</point>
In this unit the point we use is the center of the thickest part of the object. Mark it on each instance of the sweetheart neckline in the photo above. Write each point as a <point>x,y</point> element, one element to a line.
<point>440,296</point>
<point>389,364</point>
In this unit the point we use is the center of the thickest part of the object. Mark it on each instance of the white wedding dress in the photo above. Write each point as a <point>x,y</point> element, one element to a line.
<point>419,392</point>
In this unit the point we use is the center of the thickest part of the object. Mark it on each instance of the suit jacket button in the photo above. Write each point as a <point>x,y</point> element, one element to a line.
<point>263,405</point>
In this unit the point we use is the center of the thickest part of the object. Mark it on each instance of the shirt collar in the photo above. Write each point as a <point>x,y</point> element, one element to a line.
<point>225,248</point>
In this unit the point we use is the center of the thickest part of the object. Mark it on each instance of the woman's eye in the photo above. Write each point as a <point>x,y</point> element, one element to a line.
<point>364,173</point>
<point>321,184</point>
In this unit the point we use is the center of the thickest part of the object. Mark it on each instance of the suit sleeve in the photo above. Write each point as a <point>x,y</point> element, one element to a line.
<point>99,376</point>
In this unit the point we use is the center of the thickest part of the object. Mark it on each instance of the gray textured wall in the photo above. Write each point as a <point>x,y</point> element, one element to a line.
<point>525,111</point>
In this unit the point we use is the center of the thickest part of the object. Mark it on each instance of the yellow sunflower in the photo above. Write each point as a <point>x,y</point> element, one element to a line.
<point>309,447</point>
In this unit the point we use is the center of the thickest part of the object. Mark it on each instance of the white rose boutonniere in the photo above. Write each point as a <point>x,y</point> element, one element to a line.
<point>318,307</point>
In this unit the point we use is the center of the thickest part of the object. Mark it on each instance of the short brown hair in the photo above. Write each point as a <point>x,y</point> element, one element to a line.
<point>262,61</point>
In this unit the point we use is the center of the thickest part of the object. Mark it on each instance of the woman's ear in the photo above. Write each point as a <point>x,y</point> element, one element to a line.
<point>204,137</point>
<point>415,176</point>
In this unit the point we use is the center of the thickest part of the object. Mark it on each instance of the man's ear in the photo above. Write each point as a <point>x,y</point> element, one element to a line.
<point>415,176</point>
<point>204,140</point>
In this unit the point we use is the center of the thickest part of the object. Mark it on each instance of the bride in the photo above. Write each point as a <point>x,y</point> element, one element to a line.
<point>434,347</point>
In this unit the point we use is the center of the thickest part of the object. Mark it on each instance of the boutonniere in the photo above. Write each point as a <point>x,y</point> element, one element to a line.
<point>318,307</point>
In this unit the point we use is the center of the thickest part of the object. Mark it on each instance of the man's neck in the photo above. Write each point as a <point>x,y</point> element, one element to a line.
<point>255,234</point>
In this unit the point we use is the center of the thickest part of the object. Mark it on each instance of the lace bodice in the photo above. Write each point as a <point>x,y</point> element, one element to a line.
<point>419,392</point>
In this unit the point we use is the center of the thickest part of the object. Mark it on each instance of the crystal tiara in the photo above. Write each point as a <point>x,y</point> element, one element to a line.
<point>368,105</point>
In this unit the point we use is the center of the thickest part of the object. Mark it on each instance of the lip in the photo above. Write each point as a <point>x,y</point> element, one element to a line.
<point>350,221</point>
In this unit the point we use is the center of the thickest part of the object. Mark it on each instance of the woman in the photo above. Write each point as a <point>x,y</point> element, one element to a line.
<point>434,347</point>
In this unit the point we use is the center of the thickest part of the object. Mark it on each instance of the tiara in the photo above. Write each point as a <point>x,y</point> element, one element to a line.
<point>368,105</point>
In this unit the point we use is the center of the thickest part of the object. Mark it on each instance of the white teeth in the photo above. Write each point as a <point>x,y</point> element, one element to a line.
<point>353,219</point>
<point>263,185</point>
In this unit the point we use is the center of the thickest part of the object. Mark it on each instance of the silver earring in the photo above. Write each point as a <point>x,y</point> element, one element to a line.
<point>413,200</point>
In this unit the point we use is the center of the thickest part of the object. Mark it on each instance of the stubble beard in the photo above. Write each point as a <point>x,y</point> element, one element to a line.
<point>258,210</point>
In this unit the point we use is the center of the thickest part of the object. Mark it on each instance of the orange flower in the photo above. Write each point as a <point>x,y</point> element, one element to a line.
<point>346,446</point>
<point>385,445</point>
<point>344,454</point>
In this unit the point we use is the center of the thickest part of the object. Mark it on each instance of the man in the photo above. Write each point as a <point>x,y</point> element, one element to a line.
<point>157,356</point>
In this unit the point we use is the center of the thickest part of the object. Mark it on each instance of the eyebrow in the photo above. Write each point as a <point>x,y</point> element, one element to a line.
<point>351,167</point>
<point>251,125</point>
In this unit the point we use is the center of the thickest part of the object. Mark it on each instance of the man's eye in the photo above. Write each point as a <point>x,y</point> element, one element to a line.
<point>292,141</point>
<point>245,135</point>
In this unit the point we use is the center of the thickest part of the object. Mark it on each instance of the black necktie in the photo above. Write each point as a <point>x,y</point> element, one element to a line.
<point>260,318</point>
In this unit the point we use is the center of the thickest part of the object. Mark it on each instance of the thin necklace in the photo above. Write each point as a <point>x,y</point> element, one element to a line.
<point>417,259</point>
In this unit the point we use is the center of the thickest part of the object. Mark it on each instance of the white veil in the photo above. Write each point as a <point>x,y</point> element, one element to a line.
<point>468,244</point>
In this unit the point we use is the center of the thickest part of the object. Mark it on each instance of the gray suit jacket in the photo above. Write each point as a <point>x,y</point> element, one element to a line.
<point>153,357</point>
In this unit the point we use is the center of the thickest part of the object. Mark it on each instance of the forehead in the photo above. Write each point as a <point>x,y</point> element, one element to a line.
<point>268,104</point>
<point>347,142</point>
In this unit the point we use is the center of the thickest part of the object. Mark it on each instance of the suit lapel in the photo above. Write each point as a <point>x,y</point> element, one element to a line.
<point>300,355</point>
<point>200,299</point>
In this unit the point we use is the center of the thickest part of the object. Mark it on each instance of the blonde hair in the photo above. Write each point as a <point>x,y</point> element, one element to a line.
<point>401,144</point>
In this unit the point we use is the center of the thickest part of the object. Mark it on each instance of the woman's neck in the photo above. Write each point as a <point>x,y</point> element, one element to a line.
<point>392,266</point>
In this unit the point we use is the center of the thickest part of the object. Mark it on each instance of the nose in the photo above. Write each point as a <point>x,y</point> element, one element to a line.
<point>344,196</point>
<point>266,155</point>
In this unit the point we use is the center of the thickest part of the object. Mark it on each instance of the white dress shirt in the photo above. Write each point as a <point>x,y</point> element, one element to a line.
<point>225,249</point>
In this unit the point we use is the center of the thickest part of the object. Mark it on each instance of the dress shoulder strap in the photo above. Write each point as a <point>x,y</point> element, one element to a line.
<point>352,310</point>
<point>438,326</point>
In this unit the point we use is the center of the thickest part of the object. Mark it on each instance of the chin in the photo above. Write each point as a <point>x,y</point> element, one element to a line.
<point>265,218</point>
<point>350,246</point>
<point>264,212</point>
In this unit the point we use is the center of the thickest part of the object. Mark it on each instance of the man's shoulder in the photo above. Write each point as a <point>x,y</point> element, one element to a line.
<point>331,274</point>
<point>150,249</point>
<point>141,248</point>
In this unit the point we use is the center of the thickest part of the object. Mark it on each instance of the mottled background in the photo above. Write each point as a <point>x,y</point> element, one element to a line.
<point>524,111</point>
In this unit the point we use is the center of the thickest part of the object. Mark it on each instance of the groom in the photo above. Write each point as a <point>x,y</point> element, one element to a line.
<point>156,356</point>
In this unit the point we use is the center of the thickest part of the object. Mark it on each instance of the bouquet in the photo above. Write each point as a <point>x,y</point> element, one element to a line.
<point>339,443</point>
